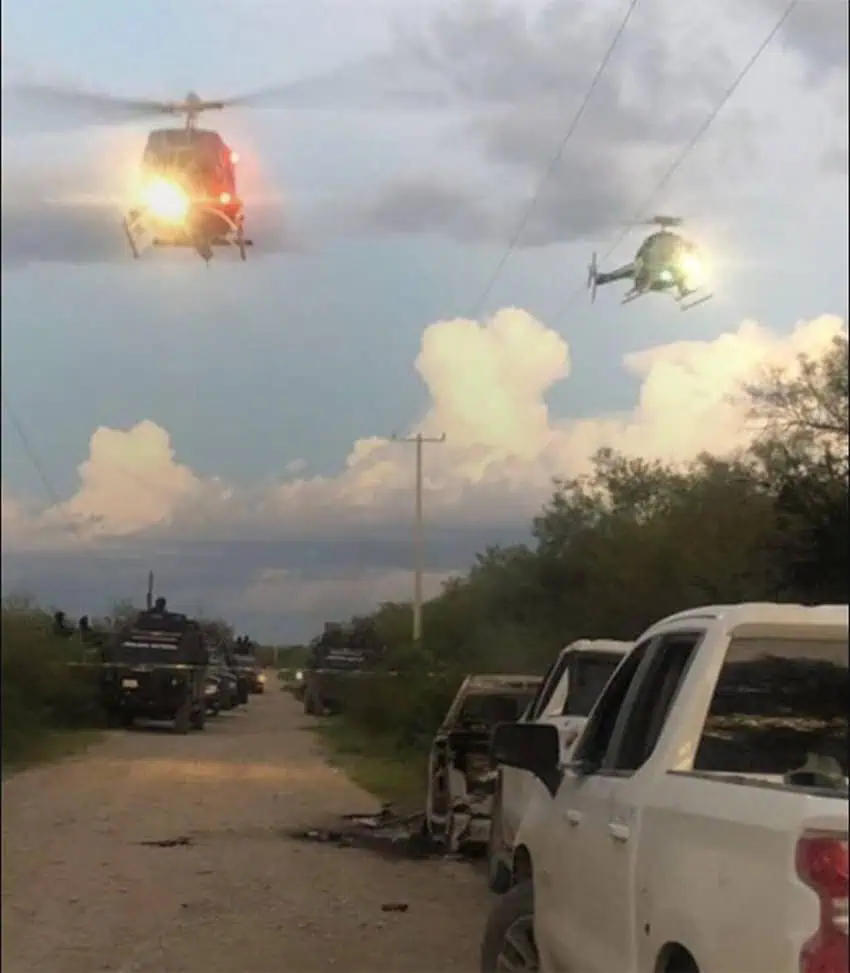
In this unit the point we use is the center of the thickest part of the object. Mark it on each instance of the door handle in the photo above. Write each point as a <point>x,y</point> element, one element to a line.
<point>573,817</point>
<point>619,830</point>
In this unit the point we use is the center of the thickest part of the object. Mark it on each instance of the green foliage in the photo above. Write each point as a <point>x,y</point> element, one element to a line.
<point>42,690</point>
<point>632,541</point>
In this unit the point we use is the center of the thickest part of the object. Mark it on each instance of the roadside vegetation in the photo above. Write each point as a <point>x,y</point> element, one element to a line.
<point>49,688</point>
<point>49,706</point>
<point>617,549</point>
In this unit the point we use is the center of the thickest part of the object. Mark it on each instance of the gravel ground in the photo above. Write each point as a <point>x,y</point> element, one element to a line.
<point>82,894</point>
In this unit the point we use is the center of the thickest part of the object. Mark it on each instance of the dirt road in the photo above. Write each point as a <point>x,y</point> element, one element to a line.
<point>81,893</point>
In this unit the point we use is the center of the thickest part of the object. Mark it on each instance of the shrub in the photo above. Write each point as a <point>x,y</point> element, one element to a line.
<point>42,692</point>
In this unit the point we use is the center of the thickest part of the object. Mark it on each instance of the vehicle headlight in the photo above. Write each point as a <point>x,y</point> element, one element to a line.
<point>261,677</point>
<point>299,675</point>
<point>166,200</point>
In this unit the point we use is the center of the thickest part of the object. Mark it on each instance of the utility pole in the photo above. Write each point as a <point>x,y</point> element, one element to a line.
<point>149,596</point>
<point>418,529</point>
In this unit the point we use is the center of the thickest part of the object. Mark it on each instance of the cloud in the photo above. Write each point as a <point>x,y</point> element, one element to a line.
<point>818,32</point>
<point>341,543</point>
<point>274,591</point>
<point>530,70</point>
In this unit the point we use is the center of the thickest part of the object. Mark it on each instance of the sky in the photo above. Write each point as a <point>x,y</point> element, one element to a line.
<point>229,427</point>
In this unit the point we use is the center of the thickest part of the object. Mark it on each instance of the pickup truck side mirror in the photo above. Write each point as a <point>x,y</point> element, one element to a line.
<point>535,747</point>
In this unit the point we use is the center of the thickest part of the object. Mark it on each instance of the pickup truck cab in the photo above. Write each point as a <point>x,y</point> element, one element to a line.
<point>701,823</point>
<point>564,700</point>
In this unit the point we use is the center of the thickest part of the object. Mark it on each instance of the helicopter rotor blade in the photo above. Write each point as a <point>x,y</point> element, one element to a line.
<point>668,221</point>
<point>367,86</point>
<point>88,107</point>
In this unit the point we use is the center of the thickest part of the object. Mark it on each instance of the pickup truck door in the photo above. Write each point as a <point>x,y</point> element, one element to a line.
<point>611,805</point>
<point>570,886</point>
<point>518,786</point>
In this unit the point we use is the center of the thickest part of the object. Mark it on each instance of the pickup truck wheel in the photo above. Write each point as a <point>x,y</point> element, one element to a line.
<point>498,874</point>
<point>509,934</point>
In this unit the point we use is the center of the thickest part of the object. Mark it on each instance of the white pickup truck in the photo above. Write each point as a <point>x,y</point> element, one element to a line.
<point>702,821</point>
<point>564,700</point>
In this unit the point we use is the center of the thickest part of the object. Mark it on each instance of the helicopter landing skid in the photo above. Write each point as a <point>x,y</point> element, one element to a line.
<point>631,295</point>
<point>695,303</point>
<point>140,236</point>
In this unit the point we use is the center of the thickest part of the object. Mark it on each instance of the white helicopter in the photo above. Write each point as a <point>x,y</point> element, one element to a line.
<point>665,263</point>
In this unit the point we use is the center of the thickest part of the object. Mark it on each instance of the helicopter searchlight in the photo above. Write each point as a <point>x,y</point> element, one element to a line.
<point>166,201</point>
<point>665,263</point>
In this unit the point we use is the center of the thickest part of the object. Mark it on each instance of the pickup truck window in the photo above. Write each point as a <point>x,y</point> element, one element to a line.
<point>594,742</point>
<point>589,674</point>
<point>650,701</point>
<point>547,687</point>
<point>777,704</point>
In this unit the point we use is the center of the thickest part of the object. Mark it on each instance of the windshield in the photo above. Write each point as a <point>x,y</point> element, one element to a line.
<point>343,658</point>
<point>493,709</point>
<point>588,676</point>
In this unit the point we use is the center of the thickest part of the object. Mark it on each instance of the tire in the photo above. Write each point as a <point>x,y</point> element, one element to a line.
<point>126,720</point>
<point>309,709</point>
<point>183,719</point>
<point>499,877</point>
<point>514,907</point>
<point>198,719</point>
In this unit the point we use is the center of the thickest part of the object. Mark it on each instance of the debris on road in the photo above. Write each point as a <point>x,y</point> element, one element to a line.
<point>388,832</point>
<point>180,842</point>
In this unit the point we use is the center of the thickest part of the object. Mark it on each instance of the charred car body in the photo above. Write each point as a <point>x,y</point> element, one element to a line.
<point>462,779</point>
<point>156,668</point>
<point>338,656</point>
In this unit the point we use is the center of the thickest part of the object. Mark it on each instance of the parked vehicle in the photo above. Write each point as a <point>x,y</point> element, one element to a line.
<point>461,775</point>
<point>156,668</point>
<point>702,821</point>
<point>564,700</point>
<point>212,695</point>
<point>257,681</point>
<point>228,683</point>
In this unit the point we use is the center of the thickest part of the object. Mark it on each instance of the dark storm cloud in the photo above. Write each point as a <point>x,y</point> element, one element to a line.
<point>530,72</point>
<point>214,576</point>
<point>817,30</point>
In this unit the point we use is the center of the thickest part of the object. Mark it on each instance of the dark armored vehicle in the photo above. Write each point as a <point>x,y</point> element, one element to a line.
<point>338,657</point>
<point>155,668</point>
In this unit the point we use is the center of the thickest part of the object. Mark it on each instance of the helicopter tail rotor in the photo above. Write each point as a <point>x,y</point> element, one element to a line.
<point>592,276</point>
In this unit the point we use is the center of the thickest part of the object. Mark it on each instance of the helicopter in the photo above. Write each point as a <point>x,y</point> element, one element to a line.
<point>188,195</point>
<point>665,263</point>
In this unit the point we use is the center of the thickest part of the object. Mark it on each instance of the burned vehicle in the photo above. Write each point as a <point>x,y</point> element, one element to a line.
<point>340,655</point>
<point>461,776</point>
<point>155,668</point>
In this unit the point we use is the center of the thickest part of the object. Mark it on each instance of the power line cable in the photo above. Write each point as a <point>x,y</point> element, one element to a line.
<point>555,161</point>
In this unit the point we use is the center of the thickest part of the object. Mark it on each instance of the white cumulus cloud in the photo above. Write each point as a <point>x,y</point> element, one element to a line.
<point>488,383</point>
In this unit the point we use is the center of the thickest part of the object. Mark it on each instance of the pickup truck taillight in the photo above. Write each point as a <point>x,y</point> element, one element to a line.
<point>822,863</point>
